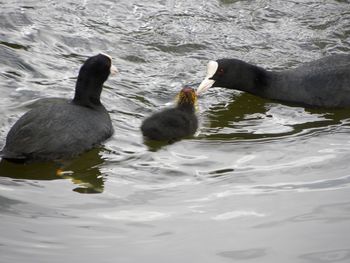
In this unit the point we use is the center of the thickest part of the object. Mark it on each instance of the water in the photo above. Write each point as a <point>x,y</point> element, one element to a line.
<point>262,182</point>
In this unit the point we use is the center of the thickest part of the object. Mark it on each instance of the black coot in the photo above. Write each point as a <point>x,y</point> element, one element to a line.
<point>64,129</point>
<point>173,123</point>
<point>322,83</point>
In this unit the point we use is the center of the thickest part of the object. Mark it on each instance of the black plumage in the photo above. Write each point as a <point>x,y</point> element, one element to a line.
<point>64,129</point>
<point>322,83</point>
<point>173,123</point>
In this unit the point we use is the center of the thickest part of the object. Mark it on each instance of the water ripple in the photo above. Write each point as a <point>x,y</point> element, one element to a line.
<point>318,185</point>
<point>337,255</point>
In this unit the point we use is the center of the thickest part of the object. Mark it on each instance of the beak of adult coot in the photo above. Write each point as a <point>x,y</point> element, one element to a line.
<point>112,70</point>
<point>208,81</point>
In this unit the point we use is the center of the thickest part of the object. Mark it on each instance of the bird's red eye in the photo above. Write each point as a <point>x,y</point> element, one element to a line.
<point>221,71</point>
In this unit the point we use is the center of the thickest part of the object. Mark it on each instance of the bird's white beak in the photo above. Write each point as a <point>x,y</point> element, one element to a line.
<point>208,82</point>
<point>113,70</point>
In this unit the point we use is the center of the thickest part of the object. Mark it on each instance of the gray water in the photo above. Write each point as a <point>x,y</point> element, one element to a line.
<point>262,181</point>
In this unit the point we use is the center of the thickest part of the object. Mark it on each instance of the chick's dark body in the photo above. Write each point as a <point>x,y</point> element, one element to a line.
<point>173,123</point>
<point>170,124</point>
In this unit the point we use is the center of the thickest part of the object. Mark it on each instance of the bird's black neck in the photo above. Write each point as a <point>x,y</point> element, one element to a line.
<point>88,92</point>
<point>254,80</point>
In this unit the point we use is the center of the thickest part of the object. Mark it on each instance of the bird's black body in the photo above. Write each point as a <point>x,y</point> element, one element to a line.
<point>322,83</point>
<point>64,129</point>
<point>45,134</point>
<point>173,123</point>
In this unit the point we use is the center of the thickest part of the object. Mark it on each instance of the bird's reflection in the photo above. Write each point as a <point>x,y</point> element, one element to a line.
<point>83,171</point>
<point>236,110</point>
<point>154,146</point>
<point>246,109</point>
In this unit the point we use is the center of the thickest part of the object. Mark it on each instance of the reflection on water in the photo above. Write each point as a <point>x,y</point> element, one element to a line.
<point>83,171</point>
<point>154,146</point>
<point>249,117</point>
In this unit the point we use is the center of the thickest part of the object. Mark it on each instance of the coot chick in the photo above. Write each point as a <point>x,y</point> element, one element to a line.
<point>64,128</point>
<point>173,123</point>
<point>321,83</point>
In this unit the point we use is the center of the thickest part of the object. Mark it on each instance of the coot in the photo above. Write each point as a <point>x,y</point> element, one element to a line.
<point>64,128</point>
<point>322,83</point>
<point>173,123</point>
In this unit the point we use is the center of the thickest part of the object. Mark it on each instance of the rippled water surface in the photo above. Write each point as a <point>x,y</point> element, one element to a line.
<point>262,181</point>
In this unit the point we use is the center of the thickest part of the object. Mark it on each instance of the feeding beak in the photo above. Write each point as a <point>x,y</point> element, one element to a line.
<point>208,82</point>
<point>113,70</point>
